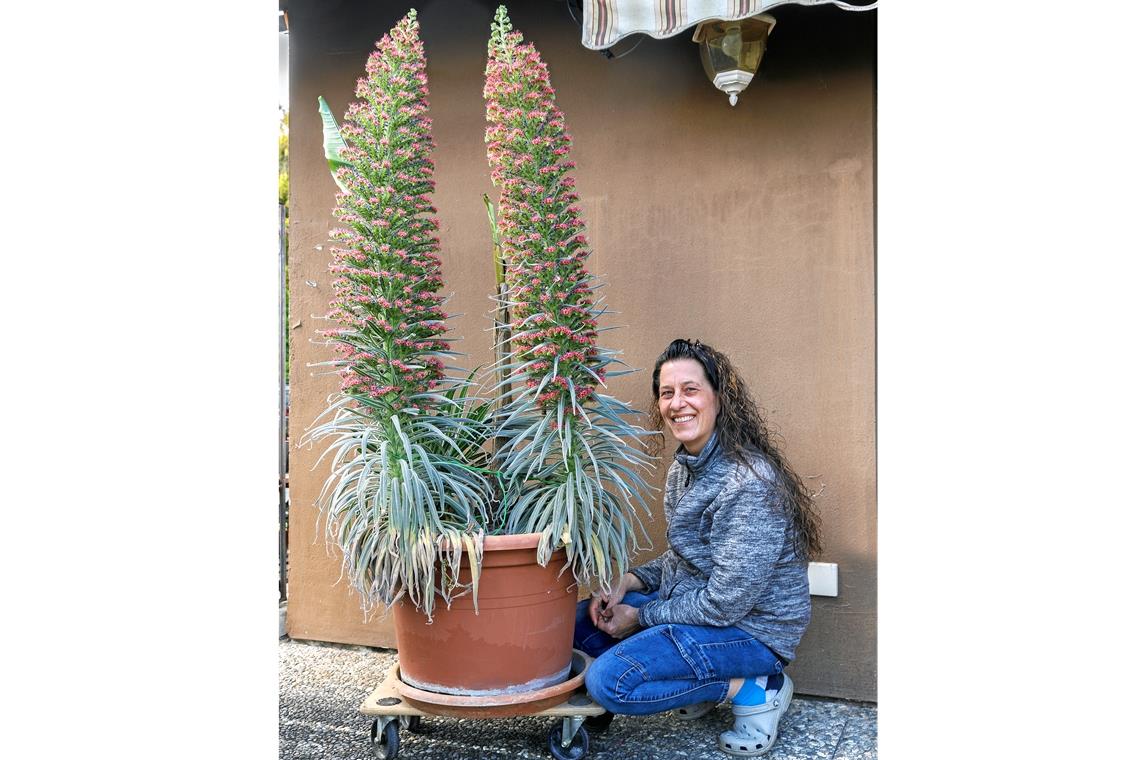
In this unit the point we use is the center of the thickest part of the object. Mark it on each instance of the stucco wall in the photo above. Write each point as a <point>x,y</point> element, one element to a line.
<point>750,228</point>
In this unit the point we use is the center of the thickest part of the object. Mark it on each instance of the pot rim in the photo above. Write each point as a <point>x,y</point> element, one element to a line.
<point>511,541</point>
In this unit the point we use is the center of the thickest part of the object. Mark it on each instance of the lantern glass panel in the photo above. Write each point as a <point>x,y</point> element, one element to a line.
<point>728,45</point>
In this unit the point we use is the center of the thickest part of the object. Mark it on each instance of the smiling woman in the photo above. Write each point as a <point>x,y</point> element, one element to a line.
<point>687,403</point>
<point>720,613</point>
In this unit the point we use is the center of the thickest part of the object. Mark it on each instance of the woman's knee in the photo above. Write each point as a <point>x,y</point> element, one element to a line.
<point>602,680</point>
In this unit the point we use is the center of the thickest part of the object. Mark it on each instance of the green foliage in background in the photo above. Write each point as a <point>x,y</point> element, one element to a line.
<point>283,160</point>
<point>283,200</point>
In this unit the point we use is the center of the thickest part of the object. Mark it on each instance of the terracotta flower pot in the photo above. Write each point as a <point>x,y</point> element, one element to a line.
<point>521,640</point>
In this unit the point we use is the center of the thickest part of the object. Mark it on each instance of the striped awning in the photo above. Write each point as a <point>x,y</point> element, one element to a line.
<point>604,22</point>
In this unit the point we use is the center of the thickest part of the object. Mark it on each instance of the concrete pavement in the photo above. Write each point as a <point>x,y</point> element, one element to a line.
<point>323,685</point>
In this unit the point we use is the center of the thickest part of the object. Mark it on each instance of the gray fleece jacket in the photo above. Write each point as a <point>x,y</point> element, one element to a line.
<point>730,559</point>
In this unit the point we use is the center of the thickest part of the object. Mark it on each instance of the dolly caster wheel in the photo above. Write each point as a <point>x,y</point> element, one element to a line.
<point>386,738</point>
<point>579,746</point>
<point>411,723</point>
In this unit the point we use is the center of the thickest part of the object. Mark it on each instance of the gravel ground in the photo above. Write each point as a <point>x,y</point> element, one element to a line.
<point>322,687</point>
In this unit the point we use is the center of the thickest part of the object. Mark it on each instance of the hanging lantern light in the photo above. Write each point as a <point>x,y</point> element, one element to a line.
<point>731,51</point>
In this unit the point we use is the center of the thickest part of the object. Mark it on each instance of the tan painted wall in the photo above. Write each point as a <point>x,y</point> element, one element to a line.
<point>750,228</point>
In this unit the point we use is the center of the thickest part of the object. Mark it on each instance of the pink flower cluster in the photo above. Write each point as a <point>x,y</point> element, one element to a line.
<point>553,317</point>
<point>387,264</point>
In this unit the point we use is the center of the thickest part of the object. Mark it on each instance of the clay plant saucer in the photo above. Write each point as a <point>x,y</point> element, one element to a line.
<point>497,705</point>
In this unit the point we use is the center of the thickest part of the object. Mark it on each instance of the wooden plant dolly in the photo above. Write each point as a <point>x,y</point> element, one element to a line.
<point>395,705</point>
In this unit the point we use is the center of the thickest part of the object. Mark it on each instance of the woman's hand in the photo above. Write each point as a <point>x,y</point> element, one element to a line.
<point>602,604</point>
<point>622,621</point>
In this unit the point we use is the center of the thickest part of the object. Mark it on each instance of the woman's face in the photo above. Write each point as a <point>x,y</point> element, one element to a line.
<point>687,403</point>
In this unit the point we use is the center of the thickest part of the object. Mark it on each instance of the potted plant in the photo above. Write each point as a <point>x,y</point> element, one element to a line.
<point>542,476</point>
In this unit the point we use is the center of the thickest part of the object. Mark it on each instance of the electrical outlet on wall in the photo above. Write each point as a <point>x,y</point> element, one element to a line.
<point>823,578</point>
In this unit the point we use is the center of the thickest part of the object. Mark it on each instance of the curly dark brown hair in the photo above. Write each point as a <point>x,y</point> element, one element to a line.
<point>739,429</point>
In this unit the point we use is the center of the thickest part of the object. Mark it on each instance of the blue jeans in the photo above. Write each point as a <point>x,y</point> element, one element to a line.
<point>667,666</point>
